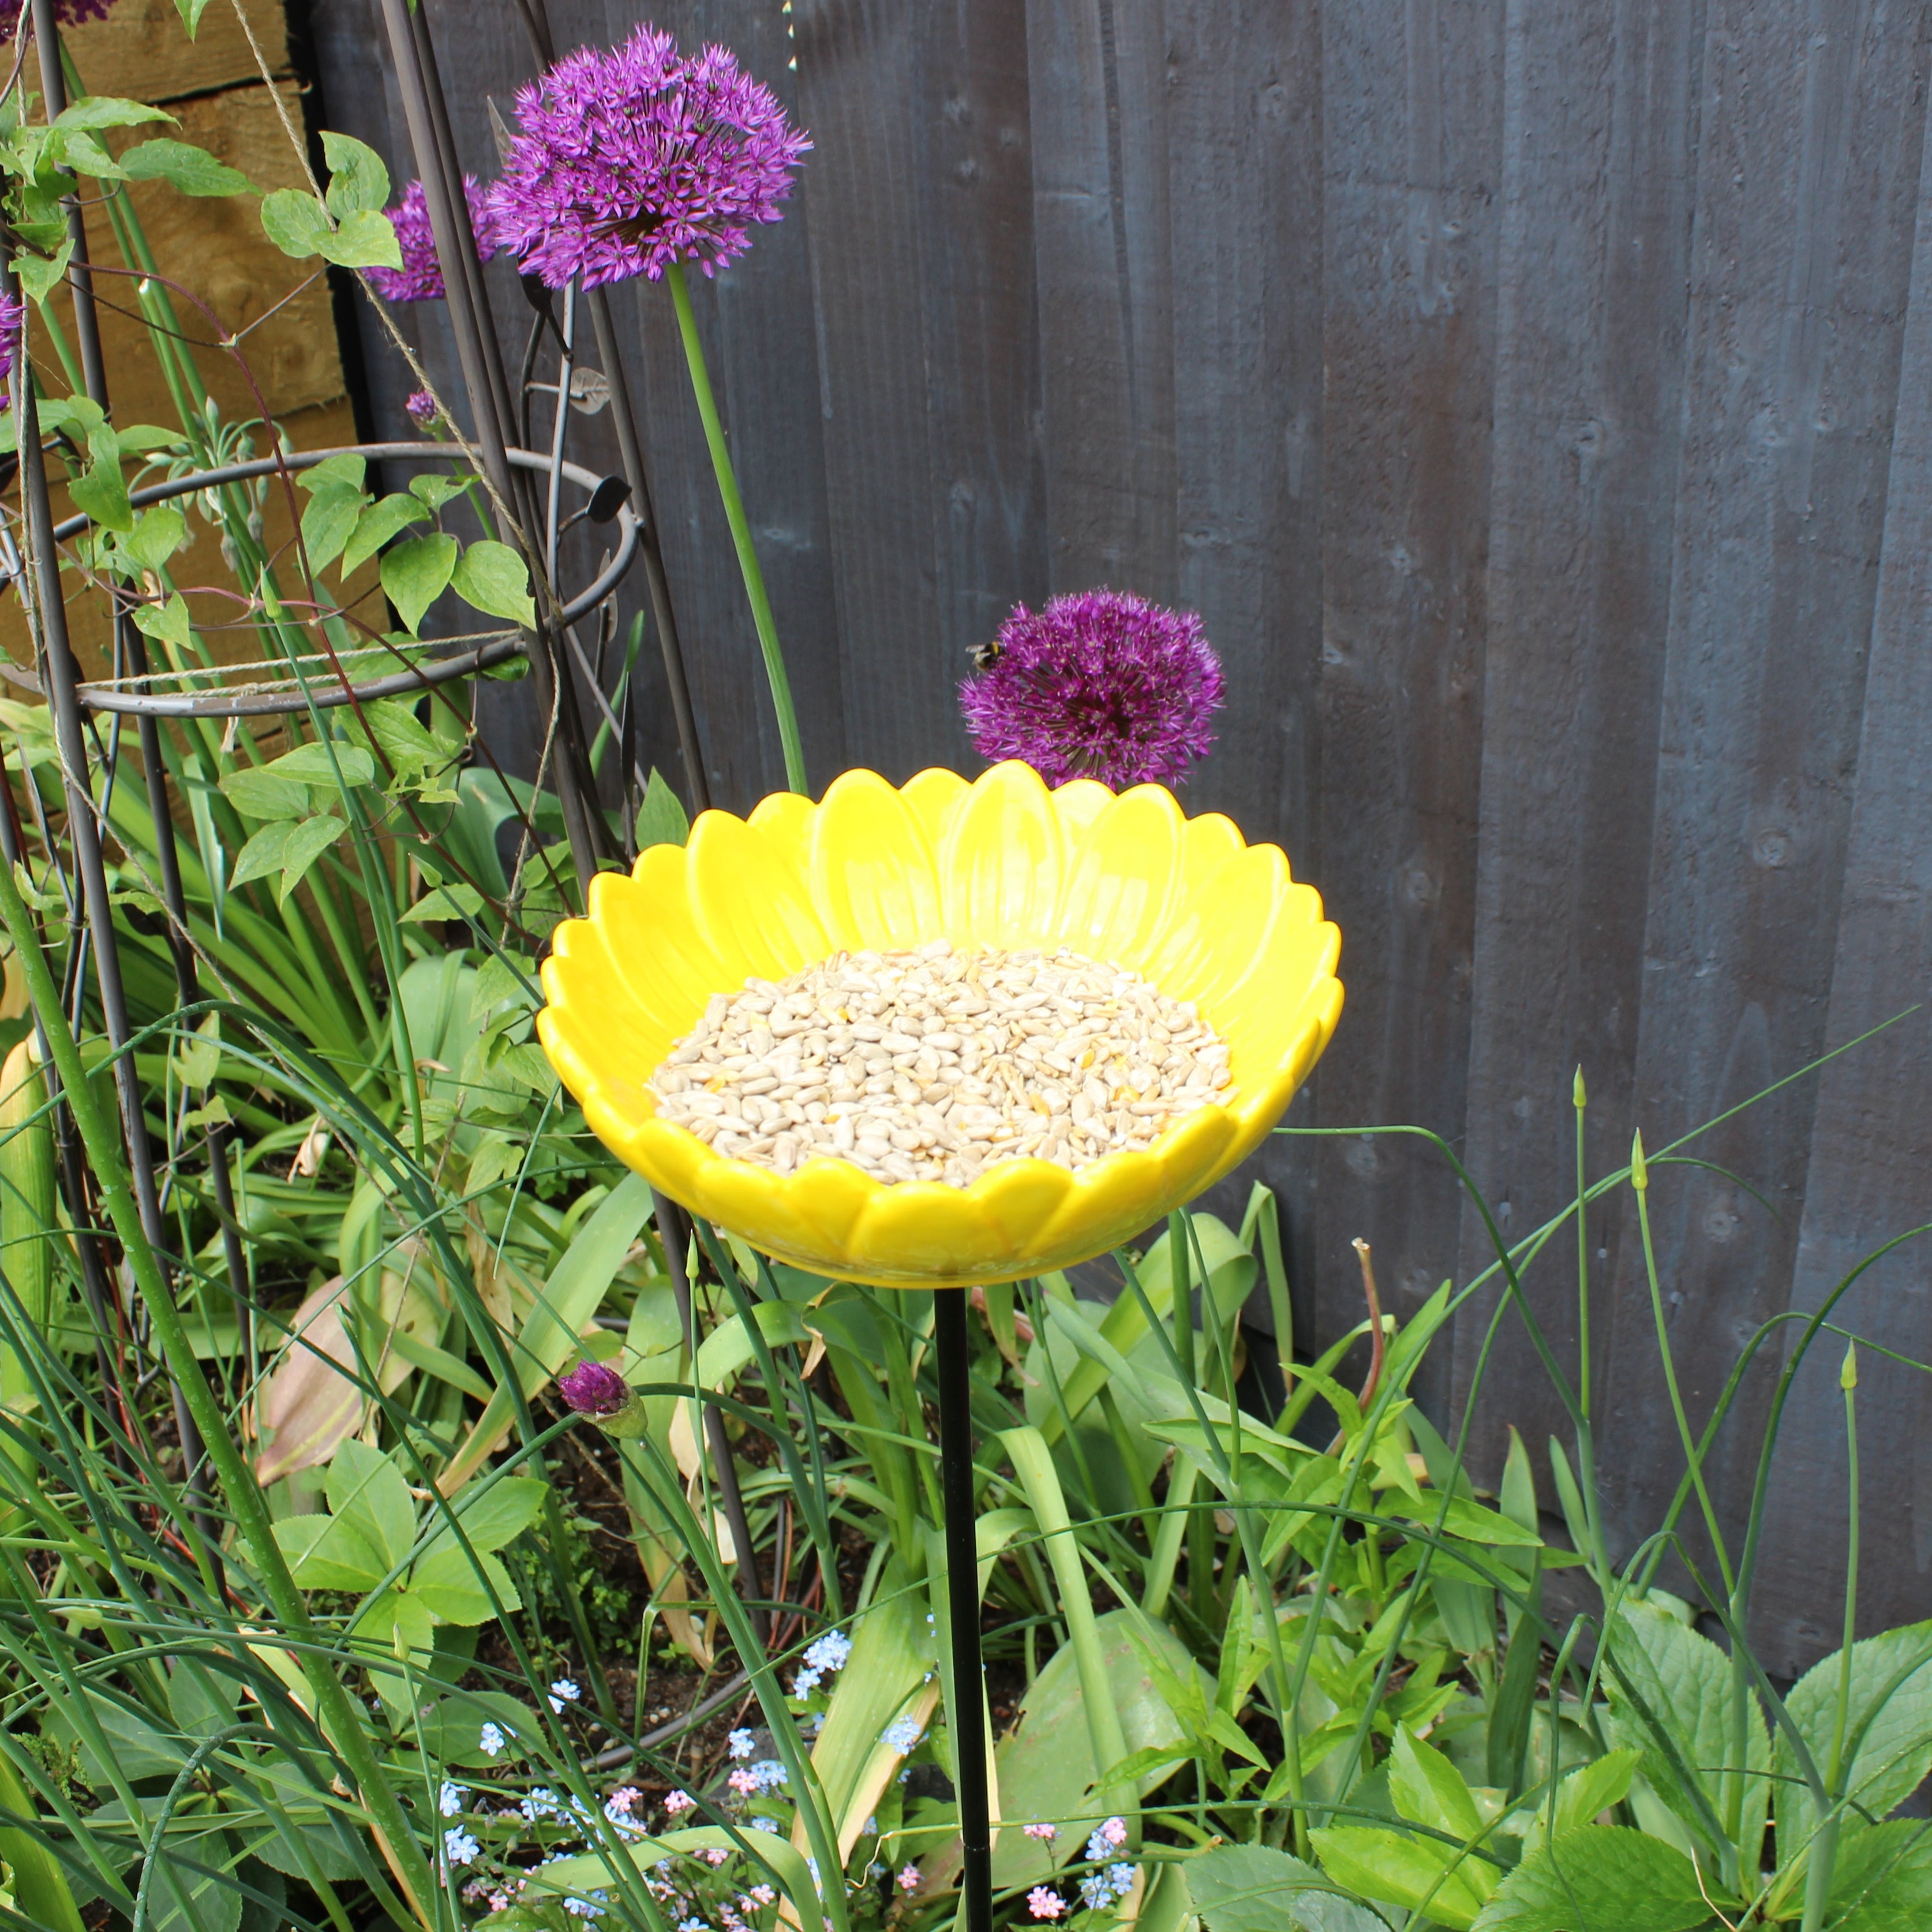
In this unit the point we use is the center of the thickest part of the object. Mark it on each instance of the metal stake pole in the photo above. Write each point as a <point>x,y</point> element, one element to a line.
<point>954,1361</point>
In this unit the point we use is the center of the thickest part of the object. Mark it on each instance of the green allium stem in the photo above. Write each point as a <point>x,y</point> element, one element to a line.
<point>741,530</point>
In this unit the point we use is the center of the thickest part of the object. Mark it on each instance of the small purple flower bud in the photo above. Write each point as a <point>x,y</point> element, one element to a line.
<point>601,1395</point>
<point>422,409</point>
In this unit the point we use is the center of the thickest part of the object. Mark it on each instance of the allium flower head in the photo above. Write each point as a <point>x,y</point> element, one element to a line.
<point>420,278</point>
<point>598,1393</point>
<point>629,158</point>
<point>13,313</point>
<point>1100,685</point>
<point>78,12</point>
<point>422,409</point>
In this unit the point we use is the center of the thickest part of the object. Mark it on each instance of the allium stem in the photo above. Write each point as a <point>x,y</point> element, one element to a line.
<point>741,530</point>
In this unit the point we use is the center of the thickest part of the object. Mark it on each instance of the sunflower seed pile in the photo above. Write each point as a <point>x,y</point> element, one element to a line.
<point>934,1065</point>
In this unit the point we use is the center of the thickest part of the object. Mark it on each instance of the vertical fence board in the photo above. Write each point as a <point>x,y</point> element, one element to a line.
<point>1412,127</point>
<point>1599,130</point>
<point>1871,1174</point>
<point>1800,270</point>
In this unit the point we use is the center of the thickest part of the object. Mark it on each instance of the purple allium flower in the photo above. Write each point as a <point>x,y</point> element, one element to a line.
<point>13,314</point>
<point>629,158</point>
<point>594,1390</point>
<point>1100,685</point>
<point>422,409</point>
<point>420,278</point>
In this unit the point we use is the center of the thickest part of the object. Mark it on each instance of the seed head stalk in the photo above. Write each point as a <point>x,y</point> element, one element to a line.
<point>741,530</point>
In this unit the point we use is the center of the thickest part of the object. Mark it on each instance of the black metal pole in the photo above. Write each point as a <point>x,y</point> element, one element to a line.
<point>954,1362</point>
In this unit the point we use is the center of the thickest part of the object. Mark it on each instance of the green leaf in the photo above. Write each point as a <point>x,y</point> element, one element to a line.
<point>660,817</point>
<point>1605,1879</point>
<point>416,573</point>
<point>1394,1870</point>
<point>1888,1730</point>
<point>318,764</point>
<point>327,1554</point>
<point>1670,1692</point>
<point>1428,1790</point>
<point>200,1063</point>
<point>346,468</point>
<point>105,110</point>
<point>258,793</point>
<point>436,490</point>
<point>1471,1522</point>
<point>451,901</point>
<point>158,534</point>
<point>190,11</point>
<point>492,577</point>
<point>366,1490</point>
<point>76,148</point>
<point>296,223</point>
<point>1253,1888</point>
<point>494,1516</point>
<point>377,524</point>
<point>192,170</point>
<point>100,490</point>
<point>329,521</point>
<point>166,623</point>
<point>1883,1883</point>
<point>1595,1788</point>
<point>307,842</point>
<point>447,1583</point>
<point>41,274</point>
<point>395,1612</point>
<point>365,240</point>
<point>357,178</point>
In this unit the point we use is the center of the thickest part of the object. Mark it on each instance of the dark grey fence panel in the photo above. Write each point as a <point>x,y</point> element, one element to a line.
<point>1517,392</point>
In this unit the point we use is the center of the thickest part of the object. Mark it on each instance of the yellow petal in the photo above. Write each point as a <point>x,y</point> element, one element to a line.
<point>1001,860</point>
<point>1222,930</point>
<point>871,868</point>
<point>1079,802</point>
<point>829,1196</point>
<point>672,969</point>
<point>924,1231</point>
<point>785,818</point>
<point>1116,1198</point>
<point>1207,843</point>
<point>1021,1197</point>
<point>1122,876</point>
<point>752,903</point>
<point>932,795</point>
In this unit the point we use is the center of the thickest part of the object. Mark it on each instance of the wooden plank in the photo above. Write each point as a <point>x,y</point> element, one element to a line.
<point>142,52</point>
<point>1598,176</point>
<point>1811,143</point>
<point>1243,108</point>
<point>1412,102</point>
<point>1871,1147</point>
<point>1097,72</point>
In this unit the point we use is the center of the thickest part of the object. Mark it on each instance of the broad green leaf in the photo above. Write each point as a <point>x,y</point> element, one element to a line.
<point>1883,1882</point>
<point>1244,1888</point>
<point>436,490</point>
<point>296,223</point>
<point>200,1063</point>
<point>100,490</point>
<point>326,1553</point>
<point>497,1515</point>
<point>329,519</point>
<point>357,178</point>
<point>1669,1691</point>
<point>262,857</point>
<point>190,11</point>
<point>346,468</point>
<point>1470,1521</point>
<point>366,1490</point>
<point>492,577</point>
<point>446,1583</point>
<point>1395,1869</point>
<point>105,110</point>
<point>366,239</point>
<point>451,901</point>
<point>258,793</point>
<point>416,573</point>
<point>1428,1790</point>
<point>1595,1788</point>
<point>289,846</point>
<point>1605,1879</point>
<point>165,623</point>
<point>318,764</point>
<point>377,524</point>
<point>158,534</point>
<point>394,1613</point>
<point>192,170</point>
<point>661,817</point>
<point>41,274</point>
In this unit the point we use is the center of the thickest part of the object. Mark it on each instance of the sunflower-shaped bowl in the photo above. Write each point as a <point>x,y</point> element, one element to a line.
<point>1001,862</point>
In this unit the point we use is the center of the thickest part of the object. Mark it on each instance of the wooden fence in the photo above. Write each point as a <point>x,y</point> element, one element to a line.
<point>1536,402</point>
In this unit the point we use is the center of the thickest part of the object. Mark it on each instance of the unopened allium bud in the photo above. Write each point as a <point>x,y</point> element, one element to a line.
<point>597,1392</point>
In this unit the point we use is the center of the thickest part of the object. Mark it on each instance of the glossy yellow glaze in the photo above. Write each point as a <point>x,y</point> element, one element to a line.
<point>1184,902</point>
